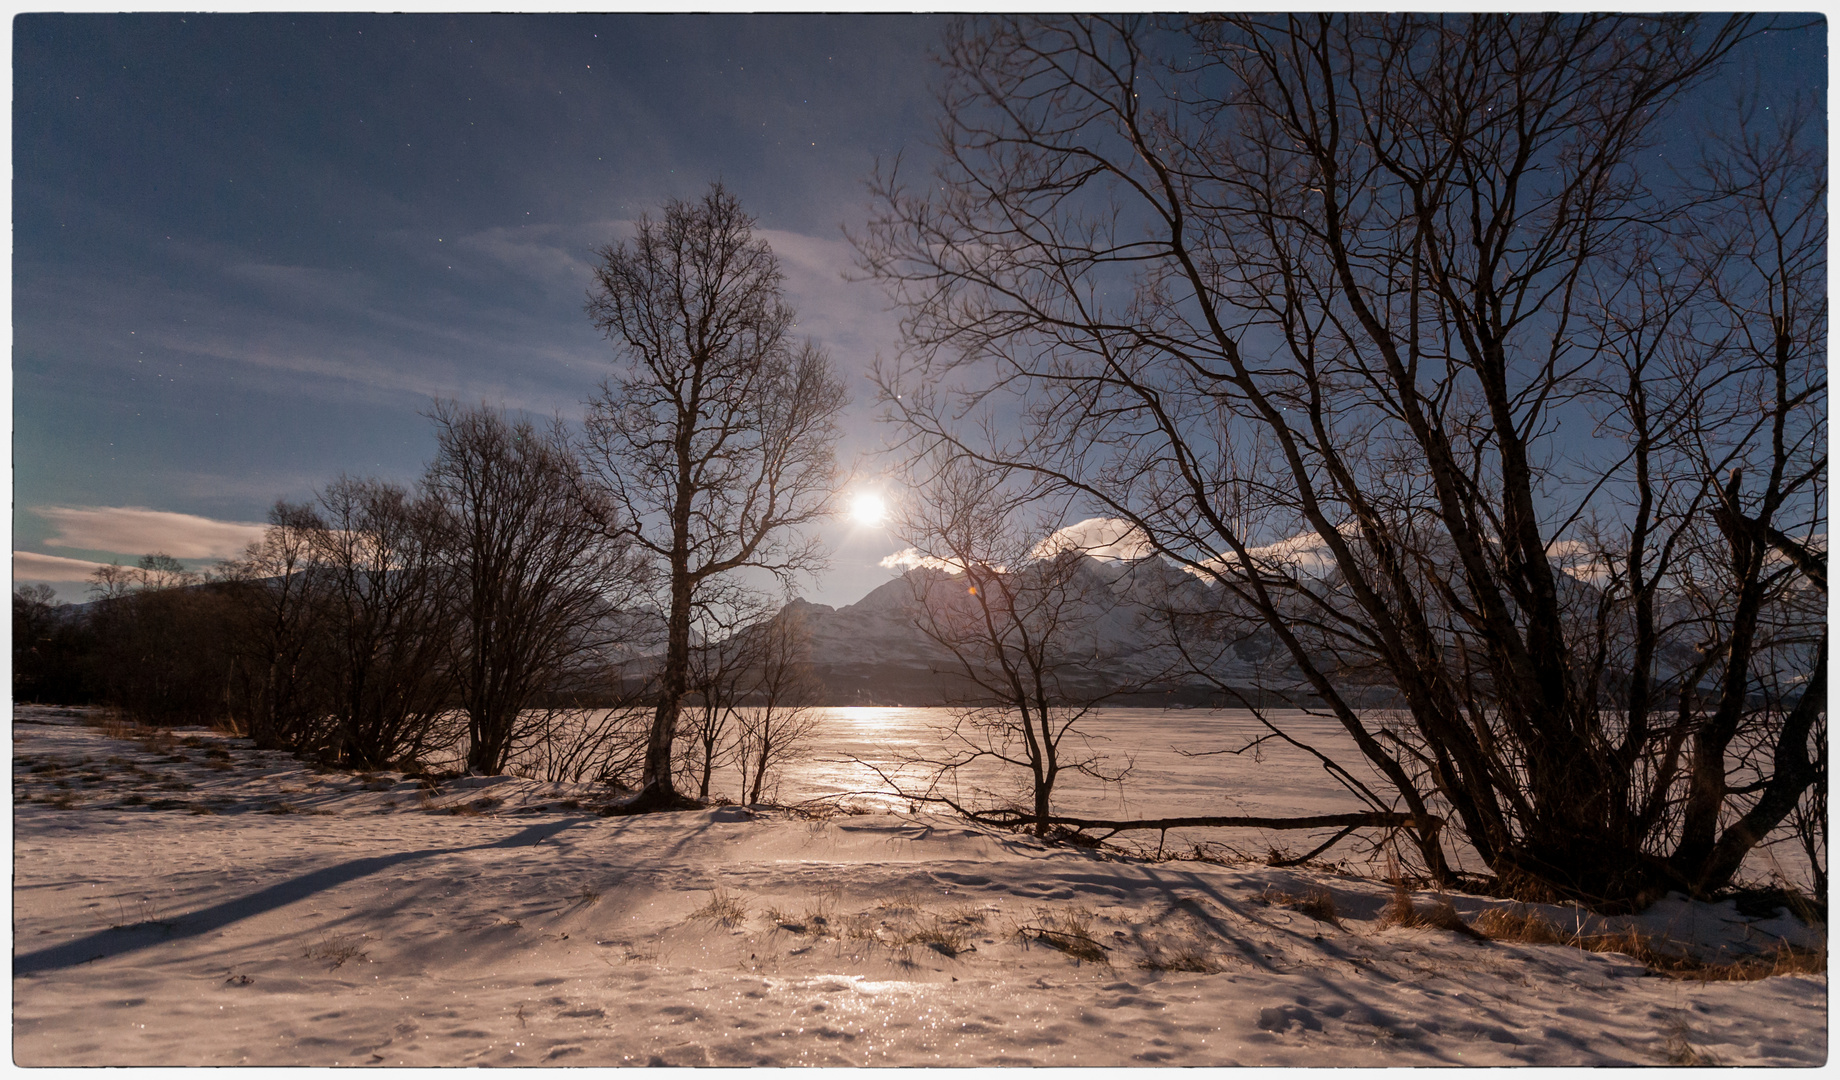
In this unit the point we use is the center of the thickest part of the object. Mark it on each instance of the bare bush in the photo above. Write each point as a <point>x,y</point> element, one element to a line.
<point>389,624</point>
<point>779,721</point>
<point>1015,615</point>
<point>534,576</point>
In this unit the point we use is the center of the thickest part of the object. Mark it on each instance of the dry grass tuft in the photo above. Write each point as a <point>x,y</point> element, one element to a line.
<point>336,952</point>
<point>1069,931</point>
<point>1438,916</point>
<point>1318,903</point>
<point>157,741</point>
<point>897,923</point>
<point>897,905</point>
<point>941,936</point>
<point>1677,963</point>
<point>1519,925</point>
<point>113,722</point>
<point>816,921</point>
<point>1177,956</point>
<point>1680,1051</point>
<point>1665,958</point>
<point>964,915</point>
<point>722,908</point>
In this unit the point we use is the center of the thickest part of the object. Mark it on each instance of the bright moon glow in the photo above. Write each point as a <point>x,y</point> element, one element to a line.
<point>868,509</point>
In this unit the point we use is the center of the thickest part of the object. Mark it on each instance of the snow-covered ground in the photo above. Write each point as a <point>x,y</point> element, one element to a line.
<point>198,902</point>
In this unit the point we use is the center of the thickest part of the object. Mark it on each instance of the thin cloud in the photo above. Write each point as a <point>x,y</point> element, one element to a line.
<point>1305,555</point>
<point>850,318</point>
<point>31,566</point>
<point>912,559</point>
<point>1101,538</point>
<point>134,530</point>
<point>540,253</point>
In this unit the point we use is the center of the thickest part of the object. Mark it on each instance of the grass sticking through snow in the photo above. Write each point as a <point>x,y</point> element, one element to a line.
<point>334,953</point>
<point>816,921</point>
<point>722,908</point>
<point>1679,1049</point>
<point>1069,931</point>
<point>941,936</point>
<point>1401,911</point>
<point>1166,955</point>
<point>1318,903</point>
<point>1521,925</point>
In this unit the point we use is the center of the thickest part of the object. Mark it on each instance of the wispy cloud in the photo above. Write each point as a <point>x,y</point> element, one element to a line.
<point>912,559</point>
<point>1305,555</point>
<point>134,530</point>
<point>849,317</point>
<point>31,566</point>
<point>540,253</point>
<point>1100,537</point>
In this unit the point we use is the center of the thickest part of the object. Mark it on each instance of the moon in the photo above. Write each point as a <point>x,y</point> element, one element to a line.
<point>868,509</point>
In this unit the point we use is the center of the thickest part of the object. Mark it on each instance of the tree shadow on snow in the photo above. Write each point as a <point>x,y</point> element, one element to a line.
<point>120,941</point>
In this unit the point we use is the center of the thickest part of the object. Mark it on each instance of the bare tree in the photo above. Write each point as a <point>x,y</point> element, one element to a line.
<point>1013,613</point>
<point>1264,283</point>
<point>279,605</point>
<point>533,573</point>
<point>388,623</point>
<point>715,441</point>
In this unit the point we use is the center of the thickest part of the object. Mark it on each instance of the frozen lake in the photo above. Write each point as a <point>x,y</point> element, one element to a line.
<point>1177,763</point>
<point>1163,779</point>
<point>1167,777</point>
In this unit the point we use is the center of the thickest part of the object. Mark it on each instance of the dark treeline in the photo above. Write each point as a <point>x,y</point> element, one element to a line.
<point>494,613</point>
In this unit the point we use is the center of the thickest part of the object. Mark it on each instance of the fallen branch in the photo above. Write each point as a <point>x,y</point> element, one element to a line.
<point>1367,819</point>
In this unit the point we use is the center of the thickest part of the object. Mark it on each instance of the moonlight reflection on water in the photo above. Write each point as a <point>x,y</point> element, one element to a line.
<point>1180,761</point>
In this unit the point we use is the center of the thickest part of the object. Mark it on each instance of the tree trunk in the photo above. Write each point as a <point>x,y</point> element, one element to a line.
<point>656,790</point>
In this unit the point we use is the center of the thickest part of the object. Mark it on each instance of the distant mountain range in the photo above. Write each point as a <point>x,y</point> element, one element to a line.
<point>875,652</point>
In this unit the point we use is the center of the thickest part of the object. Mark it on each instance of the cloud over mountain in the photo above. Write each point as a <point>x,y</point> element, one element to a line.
<point>134,530</point>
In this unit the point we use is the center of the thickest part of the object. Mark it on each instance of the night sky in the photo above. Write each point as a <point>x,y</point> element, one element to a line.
<point>249,250</point>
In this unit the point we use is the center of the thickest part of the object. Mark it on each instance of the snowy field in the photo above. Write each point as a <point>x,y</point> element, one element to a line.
<point>192,901</point>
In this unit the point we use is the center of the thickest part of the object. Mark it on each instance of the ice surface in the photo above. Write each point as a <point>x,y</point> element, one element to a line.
<point>321,918</point>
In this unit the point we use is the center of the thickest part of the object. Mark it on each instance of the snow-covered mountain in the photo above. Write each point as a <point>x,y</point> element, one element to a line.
<point>1113,636</point>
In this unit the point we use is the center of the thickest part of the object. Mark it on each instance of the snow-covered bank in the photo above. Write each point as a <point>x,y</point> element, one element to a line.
<point>320,919</point>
